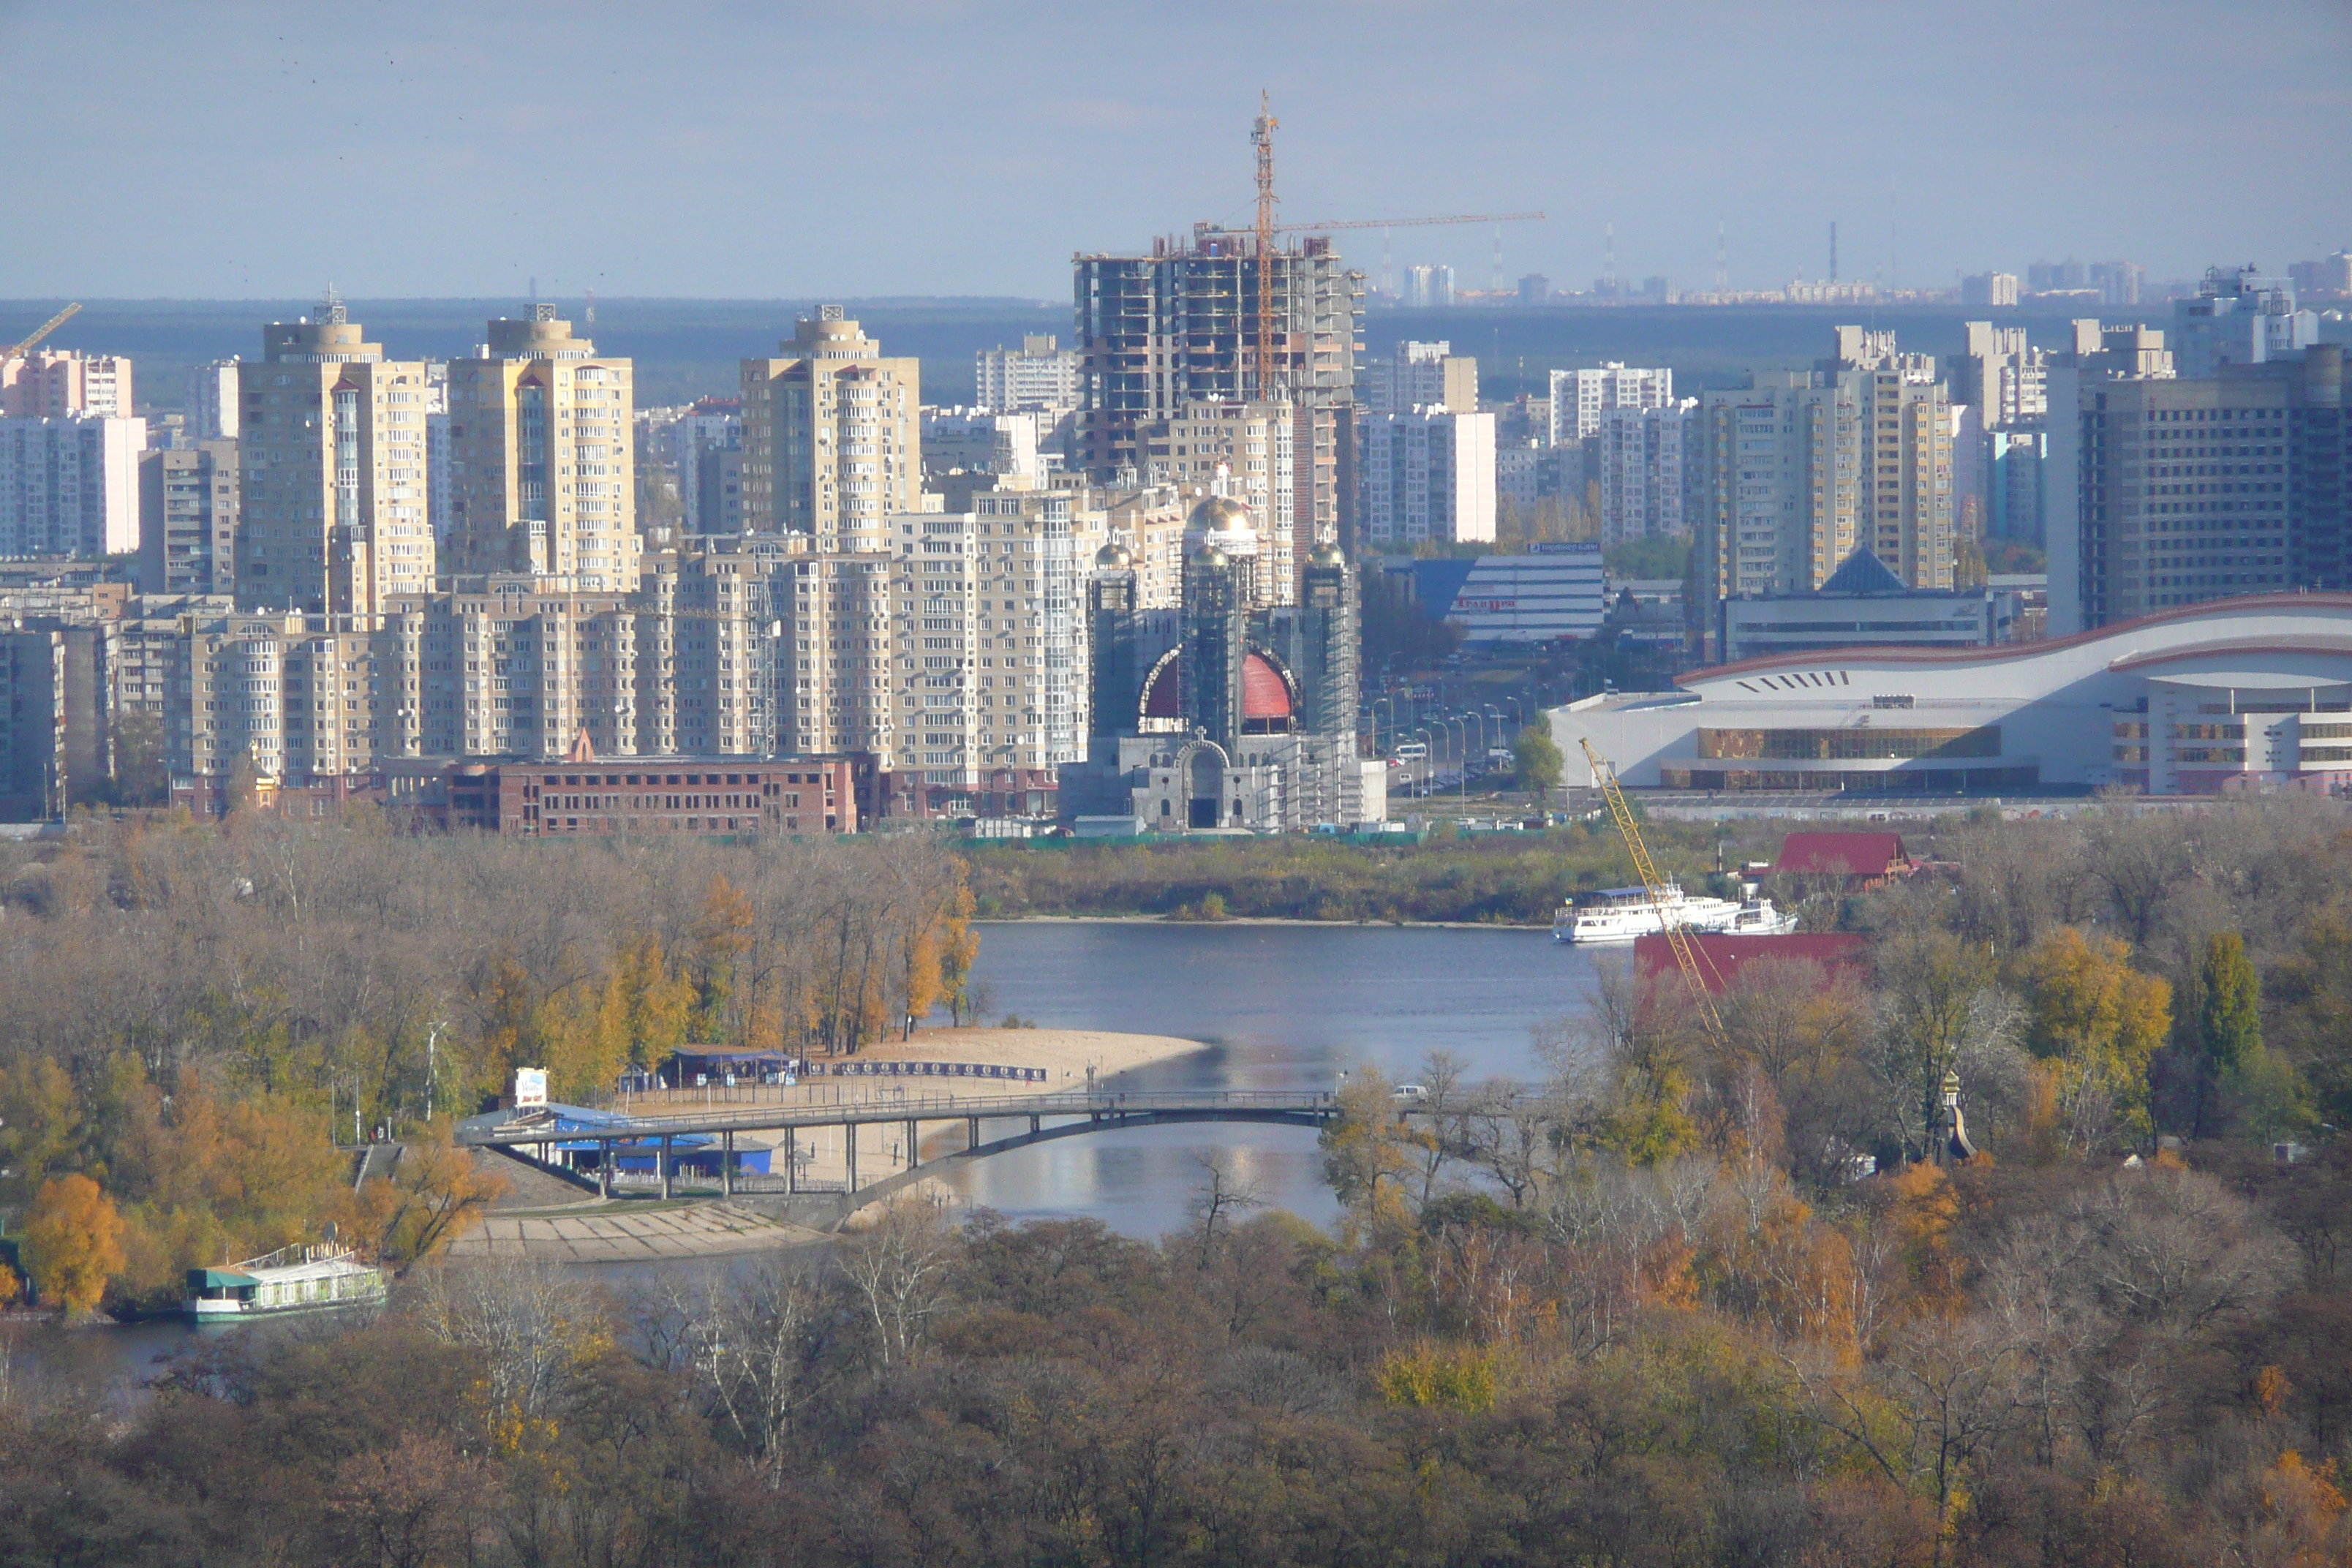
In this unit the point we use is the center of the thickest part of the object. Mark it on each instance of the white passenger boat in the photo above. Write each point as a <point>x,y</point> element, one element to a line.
<point>291,1279</point>
<point>1621,914</point>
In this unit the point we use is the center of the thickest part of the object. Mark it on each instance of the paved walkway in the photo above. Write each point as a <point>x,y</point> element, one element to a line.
<point>624,1232</point>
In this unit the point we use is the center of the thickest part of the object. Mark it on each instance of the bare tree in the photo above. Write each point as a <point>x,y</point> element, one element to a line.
<point>899,1266</point>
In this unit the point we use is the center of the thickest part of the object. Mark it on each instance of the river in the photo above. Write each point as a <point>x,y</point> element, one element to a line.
<point>1284,1006</point>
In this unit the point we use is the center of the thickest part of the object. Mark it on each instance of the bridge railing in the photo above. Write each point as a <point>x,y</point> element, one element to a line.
<point>929,1106</point>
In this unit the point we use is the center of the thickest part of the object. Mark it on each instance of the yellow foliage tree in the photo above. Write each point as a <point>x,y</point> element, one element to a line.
<point>437,1193</point>
<point>1367,1152</point>
<point>73,1243</point>
<point>1437,1376</point>
<point>2100,1020</point>
<point>40,1121</point>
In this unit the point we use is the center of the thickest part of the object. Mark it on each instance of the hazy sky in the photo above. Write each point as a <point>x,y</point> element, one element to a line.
<point>782,149</point>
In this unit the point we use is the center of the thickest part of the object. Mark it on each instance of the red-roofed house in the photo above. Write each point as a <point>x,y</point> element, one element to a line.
<point>1721,955</point>
<point>1864,860</point>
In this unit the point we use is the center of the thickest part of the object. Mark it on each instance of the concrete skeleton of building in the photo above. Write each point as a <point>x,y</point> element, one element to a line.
<point>831,437</point>
<point>332,458</point>
<point>542,477</point>
<point>1179,327</point>
<point>2239,693</point>
<point>1228,714</point>
<point>1580,397</point>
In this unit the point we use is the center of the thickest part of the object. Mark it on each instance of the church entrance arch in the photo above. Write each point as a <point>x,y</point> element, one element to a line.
<point>1201,767</point>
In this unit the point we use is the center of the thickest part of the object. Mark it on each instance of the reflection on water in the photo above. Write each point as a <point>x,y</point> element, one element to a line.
<point>1287,1006</point>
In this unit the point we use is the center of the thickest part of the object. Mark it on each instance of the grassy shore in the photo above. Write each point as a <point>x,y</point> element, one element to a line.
<point>1506,879</point>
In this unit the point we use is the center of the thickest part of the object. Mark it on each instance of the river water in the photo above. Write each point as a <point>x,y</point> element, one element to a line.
<point>1282,1007</point>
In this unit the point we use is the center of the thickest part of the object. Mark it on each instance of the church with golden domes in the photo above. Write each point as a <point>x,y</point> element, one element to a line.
<point>1232,712</point>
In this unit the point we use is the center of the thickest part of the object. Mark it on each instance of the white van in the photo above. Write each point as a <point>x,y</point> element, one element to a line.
<point>1412,751</point>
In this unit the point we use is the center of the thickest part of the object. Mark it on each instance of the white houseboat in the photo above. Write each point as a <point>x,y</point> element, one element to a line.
<point>291,1279</point>
<point>1621,914</point>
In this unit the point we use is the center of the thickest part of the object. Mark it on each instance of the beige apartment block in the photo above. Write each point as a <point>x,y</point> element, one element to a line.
<point>831,445</point>
<point>541,476</point>
<point>187,519</point>
<point>1148,523</point>
<point>834,660</point>
<point>1907,508</point>
<point>298,696</point>
<point>515,665</point>
<point>1247,451</point>
<point>331,451</point>
<point>706,661</point>
<point>49,384</point>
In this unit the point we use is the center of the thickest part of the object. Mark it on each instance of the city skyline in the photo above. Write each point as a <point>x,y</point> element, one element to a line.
<point>2175,149</point>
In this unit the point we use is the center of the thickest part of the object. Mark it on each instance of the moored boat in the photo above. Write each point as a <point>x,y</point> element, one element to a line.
<point>291,1279</point>
<point>1621,914</point>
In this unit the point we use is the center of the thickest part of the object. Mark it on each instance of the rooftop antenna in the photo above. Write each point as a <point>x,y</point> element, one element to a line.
<point>331,310</point>
<point>1499,258</point>
<point>1609,273</point>
<point>1388,261</point>
<point>1832,250</point>
<point>1722,261</point>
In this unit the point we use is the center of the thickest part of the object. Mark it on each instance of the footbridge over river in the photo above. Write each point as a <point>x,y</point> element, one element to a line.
<point>573,1138</point>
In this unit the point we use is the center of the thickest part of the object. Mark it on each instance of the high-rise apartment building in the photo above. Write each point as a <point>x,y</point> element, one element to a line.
<point>542,478</point>
<point>1420,376</point>
<point>2330,278</point>
<point>1997,289</point>
<point>1156,332</point>
<point>1642,457</point>
<point>1424,476</point>
<point>69,485</point>
<point>1778,488</point>
<point>187,518</point>
<point>1428,288</point>
<point>1035,378</point>
<point>210,405</point>
<point>831,447</point>
<point>1579,397</point>
<point>2199,488</point>
<point>981,443</point>
<point>1247,451</point>
<point>2001,374</point>
<point>1906,503</point>
<point>50,383</point>
<point>332,458</point>
<point>2237,318</point>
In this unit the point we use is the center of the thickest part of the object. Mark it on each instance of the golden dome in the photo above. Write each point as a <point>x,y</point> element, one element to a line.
<point>1325,555</point>
<point>1113,557</point>
<point>1209,556</point>
<point>1220,514</point>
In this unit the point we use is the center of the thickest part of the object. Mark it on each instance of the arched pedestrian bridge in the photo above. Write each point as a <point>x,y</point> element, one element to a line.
<point>580,1141</point>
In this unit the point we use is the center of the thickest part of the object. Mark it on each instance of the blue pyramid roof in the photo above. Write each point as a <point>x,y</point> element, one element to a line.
<point>1863,574</point>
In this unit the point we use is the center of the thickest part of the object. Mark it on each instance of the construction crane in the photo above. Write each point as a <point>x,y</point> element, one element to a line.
<point>1687,956</point>
<point>1262,131</point>
<point>51,325</point>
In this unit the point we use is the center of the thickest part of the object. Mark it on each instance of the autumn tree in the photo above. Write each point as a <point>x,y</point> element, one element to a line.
<point>1536,762</point>
<point>1367,1152</point>
<point>2097,1021</point>
<point>73,1243</point>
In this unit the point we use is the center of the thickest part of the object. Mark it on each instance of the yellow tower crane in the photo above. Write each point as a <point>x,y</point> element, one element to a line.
<point>1687,957</point>
<point>45,328</point>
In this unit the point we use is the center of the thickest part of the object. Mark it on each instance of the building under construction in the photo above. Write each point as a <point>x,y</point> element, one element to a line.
<point>1181,326</point>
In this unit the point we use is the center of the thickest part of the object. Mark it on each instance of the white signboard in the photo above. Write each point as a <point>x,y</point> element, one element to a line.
<point>530,1087</point>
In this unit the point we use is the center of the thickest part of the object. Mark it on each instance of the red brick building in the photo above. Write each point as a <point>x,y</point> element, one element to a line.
<point>721,797</point>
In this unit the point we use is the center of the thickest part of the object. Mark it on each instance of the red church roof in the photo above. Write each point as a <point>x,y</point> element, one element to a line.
<point>1842,854</point>
<point>1722,956</point>
<point>1265,694</point>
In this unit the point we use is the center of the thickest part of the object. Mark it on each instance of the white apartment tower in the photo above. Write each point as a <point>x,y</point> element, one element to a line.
<point>1421,375</point>
<point>69,485</point>
<point>1426,475</point>
<point>541,478</point>
<point>1579,397</point>
<point>1035,378</point>
<point>831,448</point>
<point>332,458</point>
